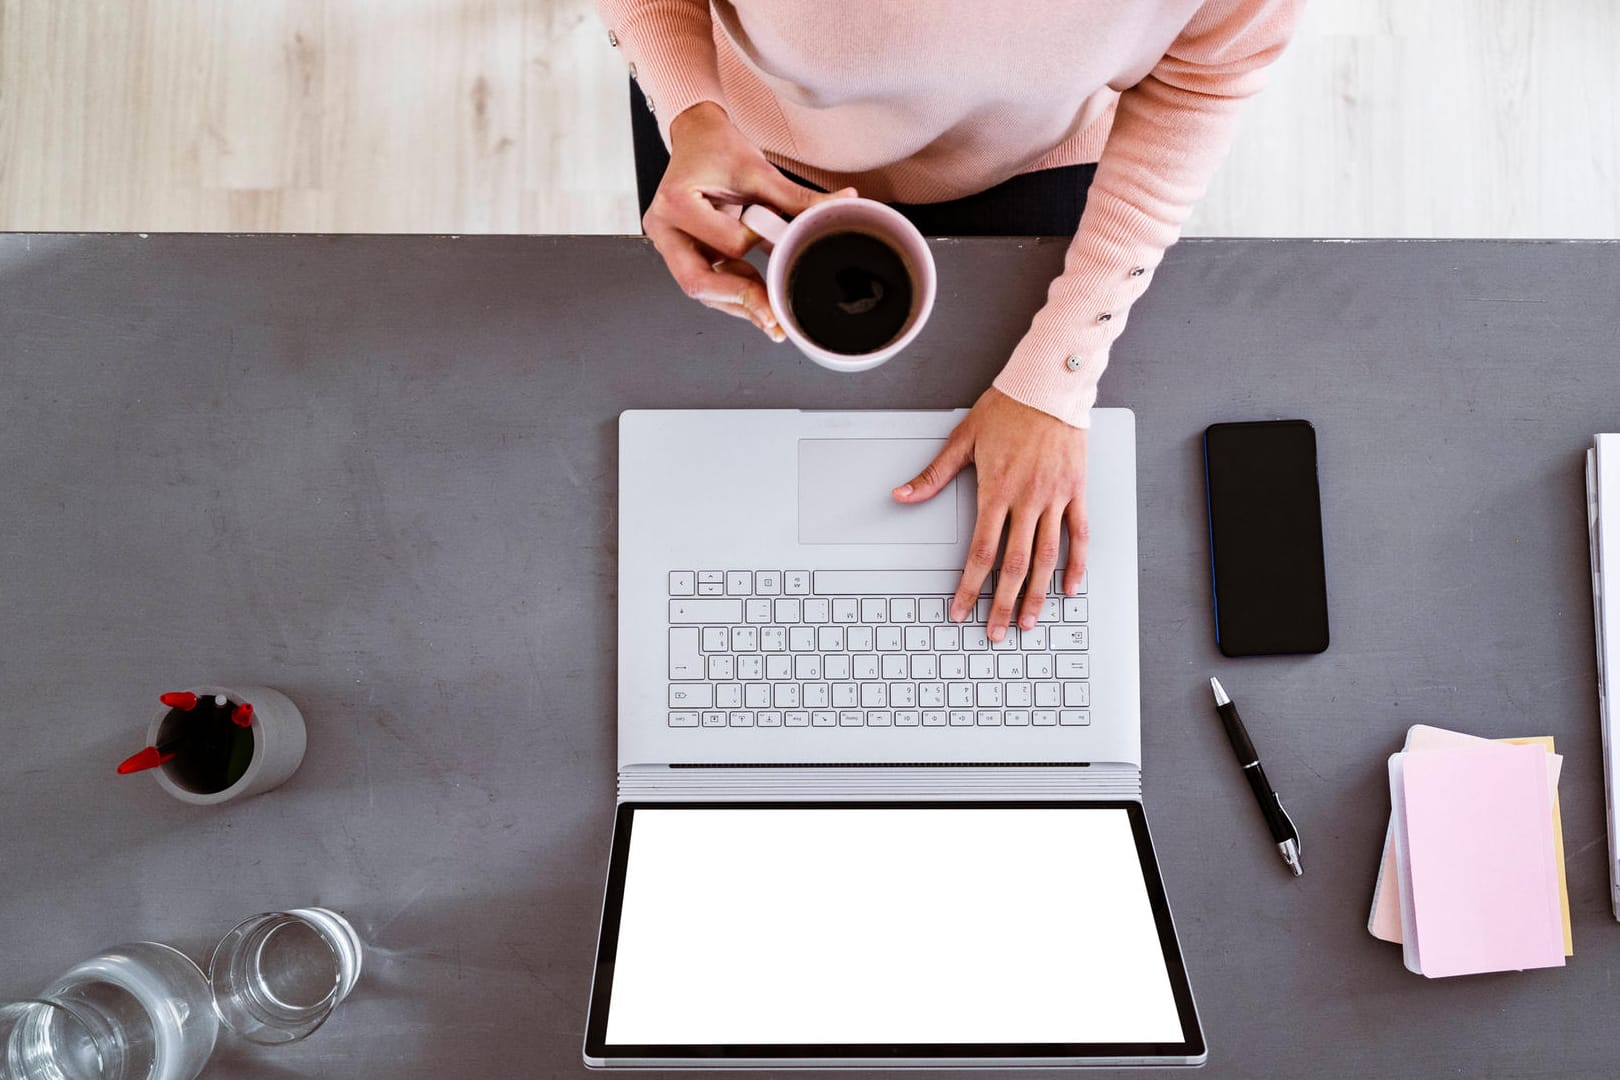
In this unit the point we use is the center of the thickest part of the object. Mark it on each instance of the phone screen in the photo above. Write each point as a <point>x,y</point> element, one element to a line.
<point>1265,538</point>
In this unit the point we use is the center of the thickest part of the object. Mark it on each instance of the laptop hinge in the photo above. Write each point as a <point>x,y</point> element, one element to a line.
<point>906,782</point>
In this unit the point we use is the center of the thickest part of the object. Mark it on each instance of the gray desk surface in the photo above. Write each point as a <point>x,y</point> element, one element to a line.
<point>379,473</point>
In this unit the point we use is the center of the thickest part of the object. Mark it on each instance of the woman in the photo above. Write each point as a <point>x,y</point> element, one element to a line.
<point>1105,117</point>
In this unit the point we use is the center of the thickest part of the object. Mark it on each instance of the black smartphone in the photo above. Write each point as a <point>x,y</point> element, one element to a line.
<point>1265,538</point>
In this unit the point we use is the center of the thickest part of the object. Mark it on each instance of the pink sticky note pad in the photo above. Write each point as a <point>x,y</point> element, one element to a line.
<point>1479,847</point>
<point>1385,920</point>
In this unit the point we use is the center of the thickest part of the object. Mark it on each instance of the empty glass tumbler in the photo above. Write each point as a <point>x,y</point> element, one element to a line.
<point>277,976</point>
<point>135,1012</point>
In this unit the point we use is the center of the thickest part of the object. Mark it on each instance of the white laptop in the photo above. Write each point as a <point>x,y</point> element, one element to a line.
<point>852,833</point>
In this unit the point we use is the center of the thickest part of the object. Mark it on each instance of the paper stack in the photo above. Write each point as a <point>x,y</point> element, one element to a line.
<point>1473,872</point>
<point>1603,521</point>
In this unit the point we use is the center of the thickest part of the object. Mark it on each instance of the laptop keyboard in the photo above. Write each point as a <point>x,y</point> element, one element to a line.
<point>866,648</point>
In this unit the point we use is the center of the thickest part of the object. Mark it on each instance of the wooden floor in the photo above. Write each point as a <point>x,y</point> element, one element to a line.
<point>1386,118</point>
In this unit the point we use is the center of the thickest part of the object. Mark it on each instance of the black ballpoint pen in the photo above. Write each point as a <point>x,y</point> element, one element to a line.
<point>1277,819</point>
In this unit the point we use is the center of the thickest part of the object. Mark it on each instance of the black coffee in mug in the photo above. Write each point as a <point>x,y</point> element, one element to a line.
<point>850,292</point>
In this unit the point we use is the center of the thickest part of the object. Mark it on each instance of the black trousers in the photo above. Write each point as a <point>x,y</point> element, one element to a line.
<point>1044,203</point>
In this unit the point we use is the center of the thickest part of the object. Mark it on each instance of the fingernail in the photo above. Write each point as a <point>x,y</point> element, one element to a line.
<point>956,614</point>
<point>997,633</point>
<point>1027,622</point>
<point>903,490</point>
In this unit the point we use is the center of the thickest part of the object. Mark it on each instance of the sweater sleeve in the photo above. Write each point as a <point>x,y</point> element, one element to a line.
<point>1170,132</point>
<point>669,47</point>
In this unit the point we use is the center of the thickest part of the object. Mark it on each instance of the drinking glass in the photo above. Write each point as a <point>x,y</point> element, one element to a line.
<point>277,976</point>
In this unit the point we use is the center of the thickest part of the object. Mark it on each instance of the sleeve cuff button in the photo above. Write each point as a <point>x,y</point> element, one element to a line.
<point>1138,271</point>
<point>1072,363</point>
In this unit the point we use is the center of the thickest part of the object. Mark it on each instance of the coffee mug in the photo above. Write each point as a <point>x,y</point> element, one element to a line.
<point>851,281</point>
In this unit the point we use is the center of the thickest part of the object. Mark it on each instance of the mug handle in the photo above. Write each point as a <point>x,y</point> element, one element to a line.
<point>762,219</point>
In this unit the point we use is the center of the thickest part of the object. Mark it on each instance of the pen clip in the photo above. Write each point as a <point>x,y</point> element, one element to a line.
<point>1299,845</point>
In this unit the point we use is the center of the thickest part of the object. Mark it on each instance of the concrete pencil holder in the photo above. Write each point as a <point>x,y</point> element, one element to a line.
<point>215,760</point>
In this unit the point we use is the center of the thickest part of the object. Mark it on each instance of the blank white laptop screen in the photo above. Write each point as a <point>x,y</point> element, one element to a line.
<point>805,927</point>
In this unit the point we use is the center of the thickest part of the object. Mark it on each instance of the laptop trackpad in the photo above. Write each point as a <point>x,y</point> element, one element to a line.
<point>844,493</point>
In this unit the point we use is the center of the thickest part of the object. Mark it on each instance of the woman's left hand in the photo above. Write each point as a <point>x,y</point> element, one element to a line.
<point>1032,482</point>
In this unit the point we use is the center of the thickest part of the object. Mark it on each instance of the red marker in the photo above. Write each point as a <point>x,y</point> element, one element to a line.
<point>242,715</point>
<point>150,758</point>
<point>185,702</point>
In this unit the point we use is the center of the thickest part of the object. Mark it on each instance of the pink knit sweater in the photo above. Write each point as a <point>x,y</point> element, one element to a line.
<point>927,101</point>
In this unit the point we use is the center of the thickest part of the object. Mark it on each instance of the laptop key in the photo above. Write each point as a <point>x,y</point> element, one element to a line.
<point>1045,717</point>
<point>1057,583</point>
<point>933,718</point>
<point>989,718</point>
<point>742,719</point>
<point>889,582</point>
<point>961,718</point>
<point>1076,695</point>
<point>1074,717</point>
<point>796,719</point>
<point>905,718</point>
<point>1073,666</point>
<point>879,718</point>
<point>768,719</point>
<point>1076,609</point>
<point>1018,718</point>
<point>1069,638</point>
<point>685,657</point>
<point>823,719</point>
<point>931,609</point>
<point>817,610</point>
<point>714,719</point>
<point>700,610</point>
<point>691,696</point>
<point>759,610</point>
<point>851,718</point>
<point>683,718</point>
<point>682,583</point>
<point>768,582</point>
<point>796,582</point>
<point>1010,666</point>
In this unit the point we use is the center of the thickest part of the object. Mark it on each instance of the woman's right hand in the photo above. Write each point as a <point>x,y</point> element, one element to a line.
<point>709,159</point>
